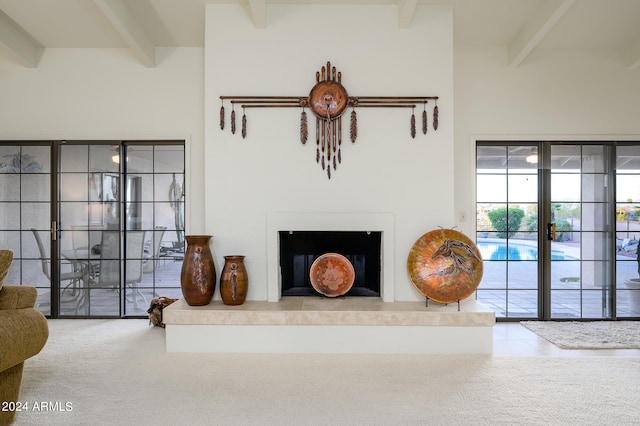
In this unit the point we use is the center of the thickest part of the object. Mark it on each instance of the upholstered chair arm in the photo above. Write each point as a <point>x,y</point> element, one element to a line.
<point>23,329</point>
<point>17,297</point>
<point>23,333</point>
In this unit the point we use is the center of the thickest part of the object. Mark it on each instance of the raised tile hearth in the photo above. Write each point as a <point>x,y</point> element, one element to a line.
<point>326,325</point>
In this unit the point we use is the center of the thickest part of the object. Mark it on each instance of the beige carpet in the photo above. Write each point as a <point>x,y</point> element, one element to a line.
<point>588,335</point>
<point>115,372</point>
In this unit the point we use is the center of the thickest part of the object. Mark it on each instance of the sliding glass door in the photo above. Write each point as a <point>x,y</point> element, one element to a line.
<point>546,221</point>
<point>627,215</point>
<point>88,227</point>
<point>580,231</point>
<point>98,227</point>
<point>507,194</point>
<point>25,213</point>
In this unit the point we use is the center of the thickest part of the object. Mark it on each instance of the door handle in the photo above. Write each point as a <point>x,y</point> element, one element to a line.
<point>54,230</point>
<point>551,231</point>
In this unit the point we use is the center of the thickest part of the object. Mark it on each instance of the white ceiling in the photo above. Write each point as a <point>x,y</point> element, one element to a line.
<point>29,26</point>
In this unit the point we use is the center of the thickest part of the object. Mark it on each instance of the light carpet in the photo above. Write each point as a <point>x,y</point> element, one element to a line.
<point>588,335</point>
<point>115,372</point>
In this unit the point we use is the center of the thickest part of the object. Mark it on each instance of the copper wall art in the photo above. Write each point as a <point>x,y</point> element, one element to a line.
<point>445,266</point>
<point>329,100</point>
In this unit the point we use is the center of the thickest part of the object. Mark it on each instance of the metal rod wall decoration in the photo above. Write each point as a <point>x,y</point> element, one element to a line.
<point>328,100</point>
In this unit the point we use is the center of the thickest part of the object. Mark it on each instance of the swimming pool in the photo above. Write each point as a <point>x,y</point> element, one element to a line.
<point>497,250</point>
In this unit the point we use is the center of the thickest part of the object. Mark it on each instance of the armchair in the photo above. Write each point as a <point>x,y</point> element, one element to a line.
<point>23,333</point>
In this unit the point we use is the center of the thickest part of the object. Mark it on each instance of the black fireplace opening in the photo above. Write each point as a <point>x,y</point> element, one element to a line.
<point>299,249</point>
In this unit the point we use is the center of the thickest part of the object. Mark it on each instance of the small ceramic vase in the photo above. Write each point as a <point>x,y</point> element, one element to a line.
<point>234,281</point>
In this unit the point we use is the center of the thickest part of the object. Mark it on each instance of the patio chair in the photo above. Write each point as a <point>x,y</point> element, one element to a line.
<point>153,257</point>
<point>106,274</point>
<point>75,277</point>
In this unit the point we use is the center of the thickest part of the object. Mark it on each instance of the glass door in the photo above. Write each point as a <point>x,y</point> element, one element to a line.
<point>557,226</point>
<point>88,227</point>
<point>96,226</point>
<point>25,214</point>
<point>507,234</point>
<point>627,213</point>
<point>120,226</point>
<point>580,233</point>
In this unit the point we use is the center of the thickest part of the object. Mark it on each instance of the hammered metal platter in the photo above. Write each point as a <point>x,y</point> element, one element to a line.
<point>332,274</point>
<point>445,266</point>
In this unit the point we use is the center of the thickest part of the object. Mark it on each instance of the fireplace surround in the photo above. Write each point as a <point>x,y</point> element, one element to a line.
<point>382,223</point>
<point>312,324</point>
<point>299,250</point>
<point>388,323</point>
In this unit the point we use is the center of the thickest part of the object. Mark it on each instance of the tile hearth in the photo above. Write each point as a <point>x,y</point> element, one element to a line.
<point>328,325</point>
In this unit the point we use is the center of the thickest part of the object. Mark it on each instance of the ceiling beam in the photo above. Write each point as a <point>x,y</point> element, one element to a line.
<point>406,10</point>
<point>634,57</point>
<point>535,30</point>
<point>130,29</point>
<point>24,48</point>
<point>258,9</point>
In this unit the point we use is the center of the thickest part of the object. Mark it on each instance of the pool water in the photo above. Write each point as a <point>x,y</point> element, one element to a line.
<point>500,251</point>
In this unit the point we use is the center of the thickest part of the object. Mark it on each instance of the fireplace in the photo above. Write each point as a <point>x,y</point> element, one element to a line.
<point>380,225</point>
<point>299,249</point>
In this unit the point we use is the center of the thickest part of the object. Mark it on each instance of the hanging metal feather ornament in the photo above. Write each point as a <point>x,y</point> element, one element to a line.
<point>233,121</point>
<point>435,117</point>
<point>304,132</point>
<point>244,124</point>
<point>323,142</point>
<point>425,124</point>
<point>317,140</point>
<point>339,139</point>
<point>328,141</point>
<point>353,129</point>
<point>329,101</point>
<point>413,125</point>
<point>335,141</point>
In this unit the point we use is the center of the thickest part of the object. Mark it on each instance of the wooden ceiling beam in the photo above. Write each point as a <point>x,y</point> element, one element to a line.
<point>18,43</point>
<point>119,15</point>
<point>406,10</point>
<point>258,10</point>
<point>538,26</point>
<point>634,56</point>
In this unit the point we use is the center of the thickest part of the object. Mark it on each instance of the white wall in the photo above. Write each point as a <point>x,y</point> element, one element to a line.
<point>552,95</point>
<point>271,171</point>
<point>106,94</point>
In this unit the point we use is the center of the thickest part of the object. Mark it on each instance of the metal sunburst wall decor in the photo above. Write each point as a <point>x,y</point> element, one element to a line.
<point>329,100</point>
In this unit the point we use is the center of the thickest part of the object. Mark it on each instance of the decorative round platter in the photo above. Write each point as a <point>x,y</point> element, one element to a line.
<point>445,266</point>
<point>328,98</point>
<point>332,274</point>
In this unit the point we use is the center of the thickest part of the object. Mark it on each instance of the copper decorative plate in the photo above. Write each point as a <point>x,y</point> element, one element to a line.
<point>445,266</point>
<point>328,98</point>
<point>332,274</point>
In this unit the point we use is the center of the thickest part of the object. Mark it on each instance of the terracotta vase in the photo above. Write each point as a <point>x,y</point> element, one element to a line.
<point>198,275</point>
<point>234,281</point>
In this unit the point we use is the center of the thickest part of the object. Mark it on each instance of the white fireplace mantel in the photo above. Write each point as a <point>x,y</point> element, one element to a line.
<point>294,221</point>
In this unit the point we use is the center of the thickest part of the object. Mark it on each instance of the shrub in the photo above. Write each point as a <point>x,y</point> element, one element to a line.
<point>506,221</point>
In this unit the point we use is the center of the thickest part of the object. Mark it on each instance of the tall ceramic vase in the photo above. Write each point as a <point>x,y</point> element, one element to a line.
<point>198,275</point>
<point>234,281</point>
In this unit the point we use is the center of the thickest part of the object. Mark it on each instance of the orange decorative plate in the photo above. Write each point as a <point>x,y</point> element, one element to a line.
<point>332,274</point>
<point>445,266</point>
